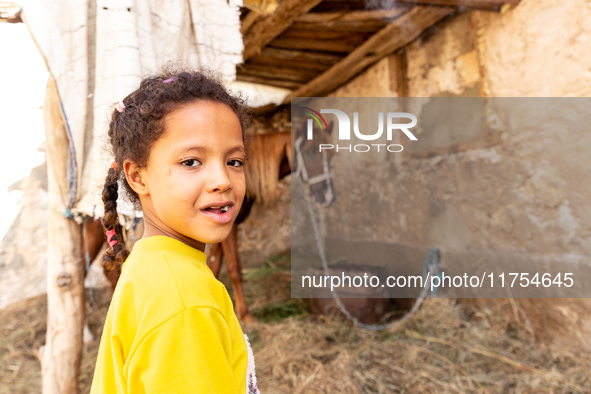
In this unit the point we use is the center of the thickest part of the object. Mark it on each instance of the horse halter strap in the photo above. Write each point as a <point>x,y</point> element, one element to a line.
<point>303,171</point>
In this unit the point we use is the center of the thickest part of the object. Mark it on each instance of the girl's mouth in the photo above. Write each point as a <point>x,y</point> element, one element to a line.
<point>221,214</point>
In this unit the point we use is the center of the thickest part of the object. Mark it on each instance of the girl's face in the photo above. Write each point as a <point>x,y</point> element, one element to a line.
<point>193,185</point>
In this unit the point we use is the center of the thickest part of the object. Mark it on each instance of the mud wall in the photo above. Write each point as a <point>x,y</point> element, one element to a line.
<point>522,196</point>
<point>267,230</point>
<point>523,193</point>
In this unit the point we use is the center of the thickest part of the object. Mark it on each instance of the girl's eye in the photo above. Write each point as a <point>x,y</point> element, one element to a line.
<point>191,163</point>
<point>236,163</point>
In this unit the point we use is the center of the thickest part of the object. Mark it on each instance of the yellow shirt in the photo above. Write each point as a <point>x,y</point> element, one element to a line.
<point>171,327</point>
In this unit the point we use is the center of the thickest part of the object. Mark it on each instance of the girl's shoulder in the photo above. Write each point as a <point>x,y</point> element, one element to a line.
<point>164,273</point>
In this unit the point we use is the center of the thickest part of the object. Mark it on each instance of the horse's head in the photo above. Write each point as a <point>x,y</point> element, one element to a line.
<point>314,166</point>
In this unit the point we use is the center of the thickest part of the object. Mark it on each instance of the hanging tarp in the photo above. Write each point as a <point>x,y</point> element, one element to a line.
<point>99,50</point>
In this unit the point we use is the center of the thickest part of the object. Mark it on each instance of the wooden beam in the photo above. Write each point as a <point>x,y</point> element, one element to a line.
<point>321,61</point>
<point>353,16</point>
<point>300,75</point>
<point>341,5</point>
<point>265,110</point>
<point>397,67</point>
<point>271,26</point>
<point>250,19</point>
<point>330,31</point>
<point>360,26</point>
<point>483,4</point>
<point>261,61</point>
<point>268,81</point>
<point>313,40</point>
<point>391,38</point>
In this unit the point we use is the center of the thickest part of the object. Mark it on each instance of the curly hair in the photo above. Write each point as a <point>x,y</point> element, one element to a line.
<point>134,130</point>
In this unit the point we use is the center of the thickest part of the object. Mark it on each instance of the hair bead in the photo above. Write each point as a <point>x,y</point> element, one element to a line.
<point>120,106</point>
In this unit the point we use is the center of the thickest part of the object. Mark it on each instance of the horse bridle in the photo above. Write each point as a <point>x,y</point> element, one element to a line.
<point>302,171</point>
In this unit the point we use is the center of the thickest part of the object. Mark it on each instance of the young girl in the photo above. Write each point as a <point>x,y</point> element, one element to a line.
<point>179,147</point>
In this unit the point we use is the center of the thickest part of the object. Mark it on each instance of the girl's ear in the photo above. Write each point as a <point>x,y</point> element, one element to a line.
<point>133,173</point>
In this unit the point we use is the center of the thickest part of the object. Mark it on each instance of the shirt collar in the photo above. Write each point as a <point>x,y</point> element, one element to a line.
<point>160,243</point>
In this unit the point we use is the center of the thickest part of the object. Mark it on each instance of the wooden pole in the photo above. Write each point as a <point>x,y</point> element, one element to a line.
<point>62,355</point>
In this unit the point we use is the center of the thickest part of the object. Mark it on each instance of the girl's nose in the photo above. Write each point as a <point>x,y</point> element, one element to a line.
<point>219,179</point>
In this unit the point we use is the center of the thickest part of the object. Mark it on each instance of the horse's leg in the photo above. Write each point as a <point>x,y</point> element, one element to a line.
<point>94,239</point>
<point>95,234</point>
<point>215,259</point>
<point>230,248</point>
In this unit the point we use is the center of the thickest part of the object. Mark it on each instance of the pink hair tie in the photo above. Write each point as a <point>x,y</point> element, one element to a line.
<point>110,235</point>
<point>169,80</point>
<point>120,106</point>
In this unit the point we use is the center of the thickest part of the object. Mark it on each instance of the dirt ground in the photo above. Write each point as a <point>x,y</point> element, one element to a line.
<point>473,346</point>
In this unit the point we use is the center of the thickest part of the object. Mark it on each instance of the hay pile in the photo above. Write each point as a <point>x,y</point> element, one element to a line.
<point>23,327</point>
<point>438,351</point>
<point>446,347</point>
<point>465,347</point>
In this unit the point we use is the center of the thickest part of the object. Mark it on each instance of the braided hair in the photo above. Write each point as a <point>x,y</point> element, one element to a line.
<point>138,122</point>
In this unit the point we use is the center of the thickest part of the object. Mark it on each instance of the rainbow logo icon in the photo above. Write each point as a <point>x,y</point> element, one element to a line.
<point>315,115</point>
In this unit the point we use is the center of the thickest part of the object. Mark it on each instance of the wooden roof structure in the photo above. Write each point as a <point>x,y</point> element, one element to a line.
<point>314,46</point>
